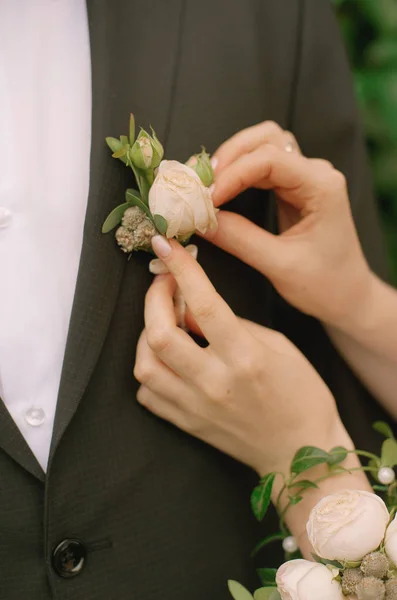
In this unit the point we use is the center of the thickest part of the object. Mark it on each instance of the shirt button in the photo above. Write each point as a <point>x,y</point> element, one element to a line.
<point>35,417</point>
<point>5,217</point>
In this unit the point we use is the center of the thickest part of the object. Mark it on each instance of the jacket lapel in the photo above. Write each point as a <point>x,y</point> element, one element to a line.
<point>126,76</point>
<point>13,442</point>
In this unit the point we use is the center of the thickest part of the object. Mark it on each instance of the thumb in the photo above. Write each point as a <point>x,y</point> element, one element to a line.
<point>261,250</point>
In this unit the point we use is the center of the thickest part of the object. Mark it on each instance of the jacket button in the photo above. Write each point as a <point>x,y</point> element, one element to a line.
<point>68,558</point>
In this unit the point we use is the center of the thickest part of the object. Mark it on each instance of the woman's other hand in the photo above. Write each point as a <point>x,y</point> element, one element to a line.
<point>316,263</point>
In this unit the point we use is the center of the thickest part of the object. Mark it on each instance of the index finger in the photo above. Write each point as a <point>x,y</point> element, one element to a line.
<point>248,140</point>
<point>268,167</point>
<point>213,315</point>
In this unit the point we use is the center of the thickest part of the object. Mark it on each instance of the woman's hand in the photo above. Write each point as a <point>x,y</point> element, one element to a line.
<point>250,393</point>
<point>316,262</point>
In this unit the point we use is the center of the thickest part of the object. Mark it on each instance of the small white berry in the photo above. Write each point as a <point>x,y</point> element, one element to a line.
<point>386,475</point>
<point>289,544</point>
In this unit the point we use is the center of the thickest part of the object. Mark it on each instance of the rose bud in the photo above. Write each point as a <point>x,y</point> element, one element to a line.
<point>147,152</point>
<point>202,165</point>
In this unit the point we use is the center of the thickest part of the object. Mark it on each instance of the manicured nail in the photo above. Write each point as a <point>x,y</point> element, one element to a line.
<point>161,246</point>
<point>214,162</point>
<point>157,267</point>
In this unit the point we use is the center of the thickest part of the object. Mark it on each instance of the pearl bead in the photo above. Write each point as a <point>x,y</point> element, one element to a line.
<point>386,475</point>
<point>289,544</point>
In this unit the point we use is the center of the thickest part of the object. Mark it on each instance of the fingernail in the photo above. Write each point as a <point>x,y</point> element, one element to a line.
<point>161,246</point>
<point>211,188</point>
<point>157,267</point>
<point>214,162</point>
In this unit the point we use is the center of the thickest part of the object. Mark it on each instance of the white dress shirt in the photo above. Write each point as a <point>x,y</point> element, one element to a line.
<point>45,138</point>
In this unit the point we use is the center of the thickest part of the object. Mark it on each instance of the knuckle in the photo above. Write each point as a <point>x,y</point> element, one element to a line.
<point>280,337</point>
<point>158,339</point>
<point>271,128</point>
<point>142,396</point>
<point>334,182</point>
<point>323,164</point>
<point>205,311</point>
<point>218,390</point>
<point>339,180</point>
<point>247,366</point>
<point>142,372</point>
<point>269,153</point>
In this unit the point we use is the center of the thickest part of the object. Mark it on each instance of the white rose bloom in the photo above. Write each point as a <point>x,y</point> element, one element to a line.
<point>348,525</point>
<point>304,580</point>
<point>391,541</point>
<point>179,196</point>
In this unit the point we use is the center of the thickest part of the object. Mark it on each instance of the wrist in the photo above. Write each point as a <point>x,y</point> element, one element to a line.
<point>327,482</point>
<point>360,311</point>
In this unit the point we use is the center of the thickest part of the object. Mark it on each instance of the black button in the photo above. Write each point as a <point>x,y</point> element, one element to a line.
<point>68,558</point>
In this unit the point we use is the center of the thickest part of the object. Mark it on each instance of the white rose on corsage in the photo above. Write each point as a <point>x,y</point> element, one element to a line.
<point>347,525</point>
<point>391,541</point>
<point>304,580</point>
<point>180,197</point>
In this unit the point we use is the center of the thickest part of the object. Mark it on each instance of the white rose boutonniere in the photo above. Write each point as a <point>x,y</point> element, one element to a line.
<point>172,199</point>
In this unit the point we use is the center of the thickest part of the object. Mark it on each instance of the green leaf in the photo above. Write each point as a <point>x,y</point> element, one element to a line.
<point>352,564</point>
<point>303,484</point>
<point>389,453</point>
<point>383,428</point>
<point>120,153</point>
<point>238,591</point>
<point>337,467</point>
<point>274,537</point>
<point>132,129</point>
<point>307,457</point>
<point>325,561</point>
<point>295,499</point>
<point>380,488</point>
<point>374,464</point>
<point>337,455</point>
<point>260,497</point>
<point>114,144</point>
<point>114,218</point>
<point>124,140</point>
<point>132,196</point>
<point>267,576</point>
<point>317,558</point>
<point>267,593</point>
<point>161,224</point>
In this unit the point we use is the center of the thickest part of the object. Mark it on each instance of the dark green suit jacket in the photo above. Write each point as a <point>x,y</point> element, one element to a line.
<point>159,514</point>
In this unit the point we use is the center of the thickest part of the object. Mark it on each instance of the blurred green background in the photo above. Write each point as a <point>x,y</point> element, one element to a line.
<point>370,31</point>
